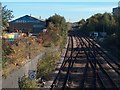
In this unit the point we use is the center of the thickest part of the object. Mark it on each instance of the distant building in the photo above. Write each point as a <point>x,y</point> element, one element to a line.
<point>93,34</point>
<point>75,25</point>
<point>98,34</point>
<point>27,24</point>
<point>102,34</point>
<point>115,10</point>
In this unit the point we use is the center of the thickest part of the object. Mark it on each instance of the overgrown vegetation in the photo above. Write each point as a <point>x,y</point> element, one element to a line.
<point>6,16</point>
<point>26,83</point>
<point>56,36</point>
<point>47,64</point>
<point>18,52</point>
<point>57,31</point>
<point>6,50</point>
<point>99,23</point>
<point>104,23</point>
<point>24,48</point>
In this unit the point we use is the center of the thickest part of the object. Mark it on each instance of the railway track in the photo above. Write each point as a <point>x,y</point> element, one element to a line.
<point>64,64</point>
<point>87,65</point>
<point>102,68</point>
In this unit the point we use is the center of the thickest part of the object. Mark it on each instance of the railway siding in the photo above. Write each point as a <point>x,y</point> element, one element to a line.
<point>87,65</point>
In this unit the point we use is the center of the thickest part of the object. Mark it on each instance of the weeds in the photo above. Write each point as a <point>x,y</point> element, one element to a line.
<point>47,64</point>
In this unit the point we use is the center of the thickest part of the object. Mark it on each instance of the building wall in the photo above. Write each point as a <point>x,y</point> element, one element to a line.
<point>26,27</point>
<point>115,10</point>
<point>27,24</point>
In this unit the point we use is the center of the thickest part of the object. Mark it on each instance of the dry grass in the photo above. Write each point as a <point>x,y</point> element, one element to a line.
<point>21,52</point>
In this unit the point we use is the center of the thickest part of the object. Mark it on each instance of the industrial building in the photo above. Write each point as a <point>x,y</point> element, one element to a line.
<point>27,24</point>
<point>116,9</point>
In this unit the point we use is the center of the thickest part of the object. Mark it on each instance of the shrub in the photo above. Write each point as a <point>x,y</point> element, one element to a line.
<point>18,52</point>
<point>6,51</point>
<point>26,83</point>
<point>47,64</point>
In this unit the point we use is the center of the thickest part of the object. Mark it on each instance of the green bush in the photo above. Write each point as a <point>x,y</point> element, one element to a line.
<point>57,31</point>
<point>50,39</point>
<point>26,83</point>
<point>112,47</point>
<point>109,41</point>
<point>47,64</point>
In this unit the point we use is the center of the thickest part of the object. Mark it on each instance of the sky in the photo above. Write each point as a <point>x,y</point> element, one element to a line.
<point>72,10</point>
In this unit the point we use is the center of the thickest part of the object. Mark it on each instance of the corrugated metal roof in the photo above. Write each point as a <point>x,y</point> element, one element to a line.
<point>27,19</point>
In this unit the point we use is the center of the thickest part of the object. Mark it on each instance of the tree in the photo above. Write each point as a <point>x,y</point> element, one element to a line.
<point>59,22</point>
<point>99,23</point>
<point>57,31</point>
<point>81,22</point>
<point>117,19</point>
<point>6,16</point>
<point>108,22</point>
<point>117,31</point>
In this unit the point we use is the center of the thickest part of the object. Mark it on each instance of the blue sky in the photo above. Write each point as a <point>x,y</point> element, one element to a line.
<point>72,11</point>
<point>60,0</point>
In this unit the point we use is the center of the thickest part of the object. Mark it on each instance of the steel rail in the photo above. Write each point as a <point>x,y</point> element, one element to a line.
<point>94,68</point>
<point>104,58</point>
<point>104,53</point>
<point>56,78</point>
<point>102,69</point>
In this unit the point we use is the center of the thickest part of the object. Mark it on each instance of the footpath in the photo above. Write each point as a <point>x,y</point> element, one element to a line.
<point>11,81</point>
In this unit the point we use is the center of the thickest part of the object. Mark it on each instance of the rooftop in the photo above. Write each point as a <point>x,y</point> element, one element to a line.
<point>26,19</point>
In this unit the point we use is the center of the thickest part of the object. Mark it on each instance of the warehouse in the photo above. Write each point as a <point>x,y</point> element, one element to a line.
<point>27,24</point>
